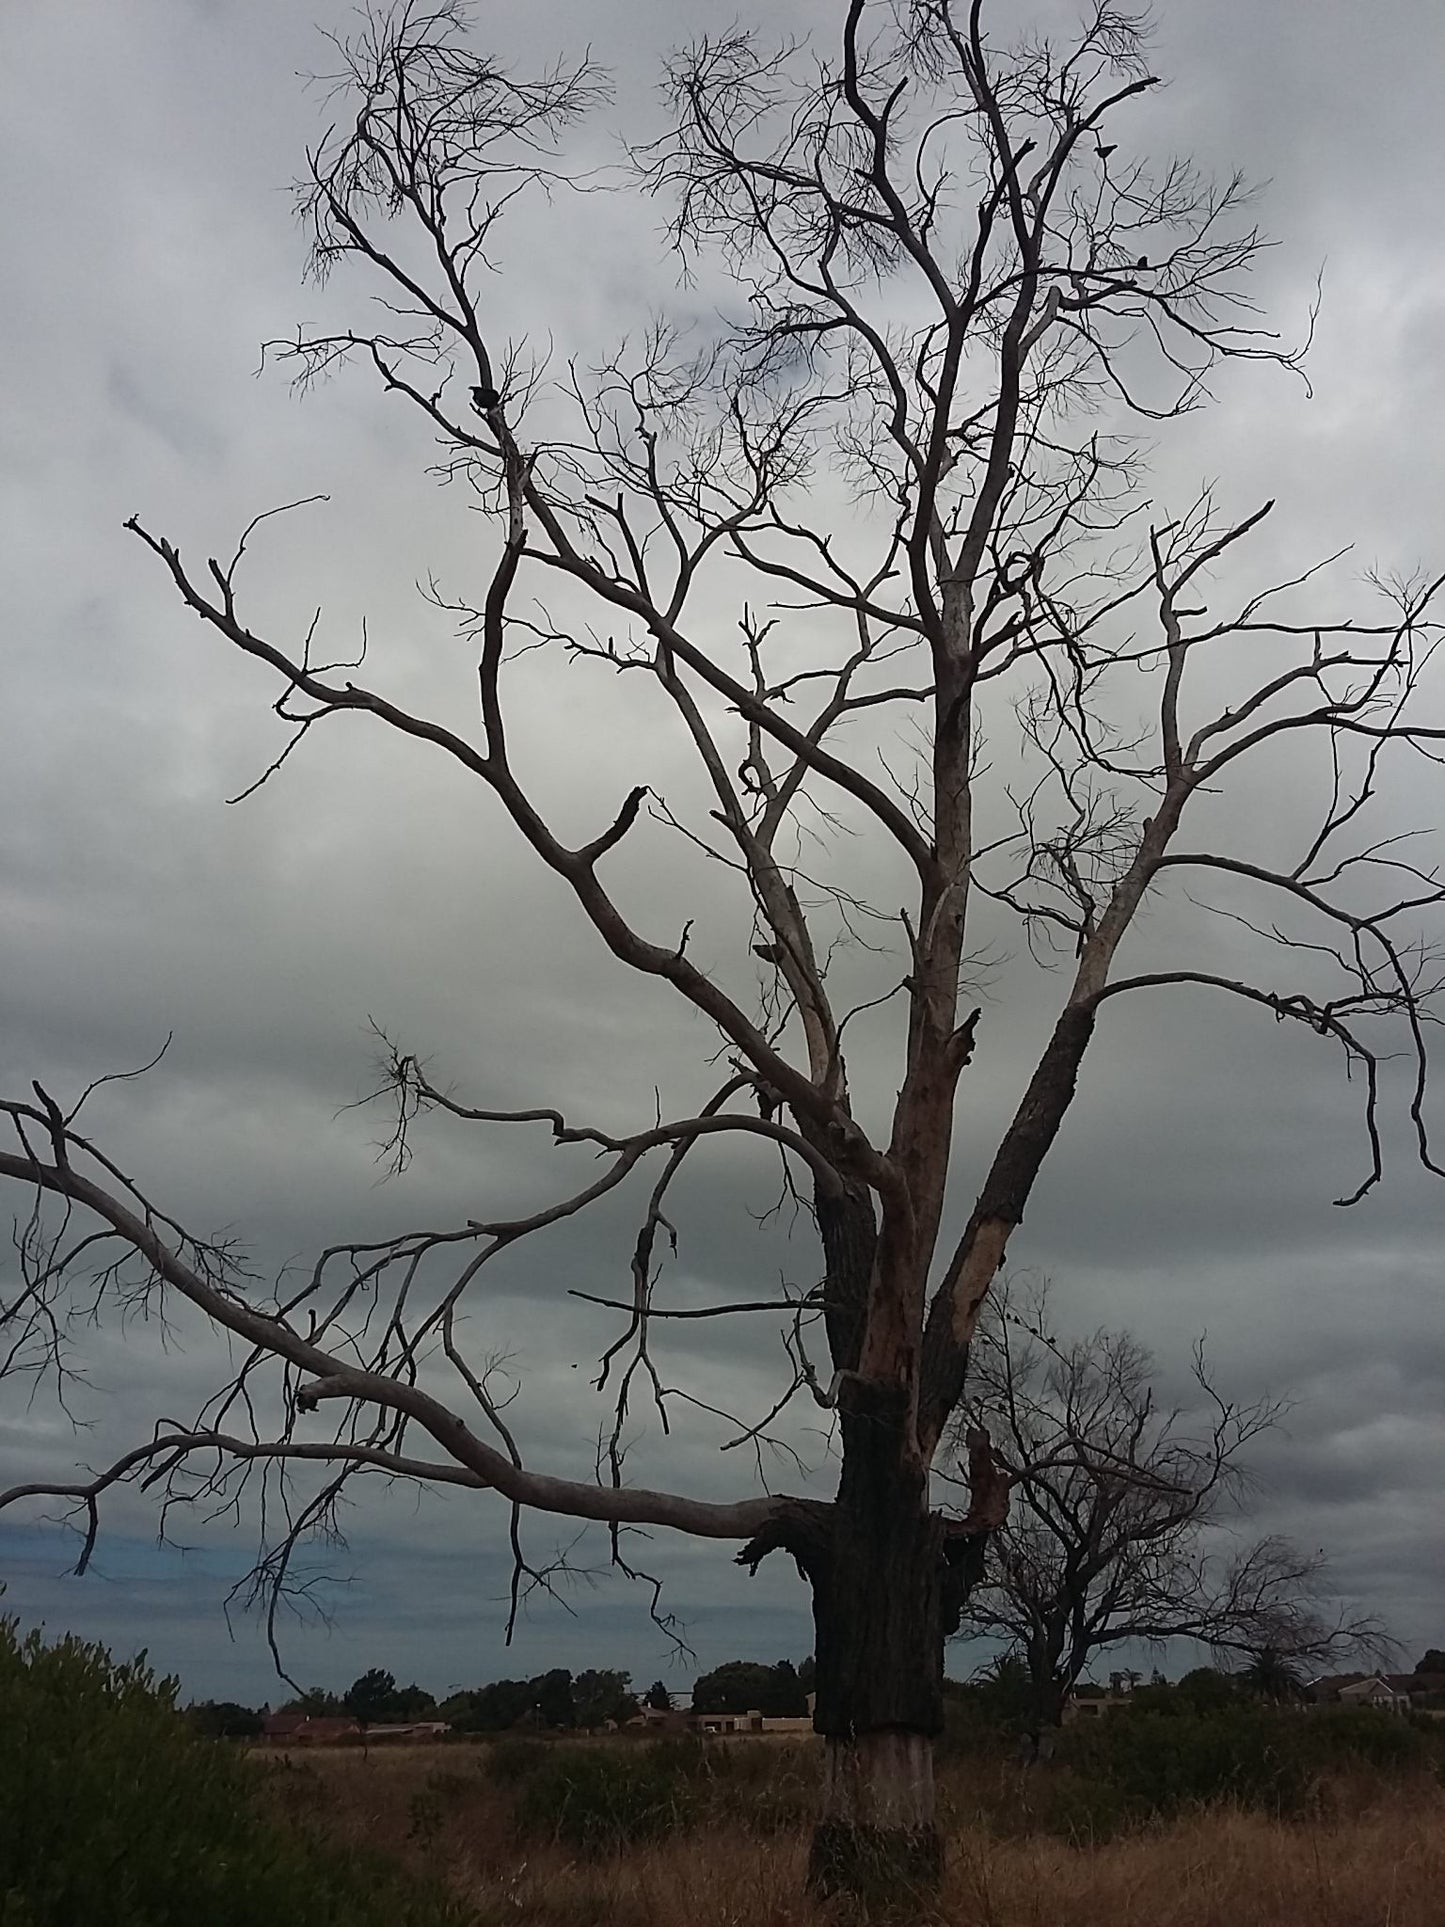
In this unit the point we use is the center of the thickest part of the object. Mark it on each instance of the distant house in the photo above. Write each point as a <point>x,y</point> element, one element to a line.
<point>659,1719</point>
<point>723,1725</point>
<point>1389,1691</point>
<point>1326,1688</point>
<point>799,1728</point>
<point>717,1724</point>
<point>1377,1690</point>
<point>1091,1703</point>
<point>309,1729</point>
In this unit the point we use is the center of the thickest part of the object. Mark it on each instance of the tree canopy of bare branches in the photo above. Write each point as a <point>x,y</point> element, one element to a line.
<point>888,507</point>
<point>1127,1516</point>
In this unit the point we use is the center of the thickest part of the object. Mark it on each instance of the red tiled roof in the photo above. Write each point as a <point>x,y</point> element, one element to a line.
<point>313,1728</point>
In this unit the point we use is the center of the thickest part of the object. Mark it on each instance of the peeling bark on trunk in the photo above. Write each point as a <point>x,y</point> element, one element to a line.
<point>878,1834</point>
<point>879,1612</point>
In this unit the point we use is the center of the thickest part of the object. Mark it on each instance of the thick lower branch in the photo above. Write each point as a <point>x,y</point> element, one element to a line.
<point>848,1228</point>
<point>980,1251</point>
<point>331,1378</point>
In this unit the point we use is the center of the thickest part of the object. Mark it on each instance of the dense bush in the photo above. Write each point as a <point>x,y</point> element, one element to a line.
<point>225,1720</point>
<point>1159,1759</point>
<point>987,1716</point>
<point>376,1700</point>
<point>114,1809</point>
<point>1362,1736</point>
<point>1205,1690</point>
<point>1154,1763</point>
<point>602,1799</point>
<point>552,1702</point>
<point>747,1686</point>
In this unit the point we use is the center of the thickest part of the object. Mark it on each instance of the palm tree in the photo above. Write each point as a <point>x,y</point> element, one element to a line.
<point>1271,1676</point>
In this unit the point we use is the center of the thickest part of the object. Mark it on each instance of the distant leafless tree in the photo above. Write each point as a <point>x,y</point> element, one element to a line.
<point>1127,1515</point>
<point>870,520</point>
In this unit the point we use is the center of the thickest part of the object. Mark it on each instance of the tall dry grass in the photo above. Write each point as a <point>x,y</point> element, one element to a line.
<point>1377,1860</point>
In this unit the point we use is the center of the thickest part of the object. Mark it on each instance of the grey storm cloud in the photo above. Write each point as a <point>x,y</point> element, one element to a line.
<point>151,249</point>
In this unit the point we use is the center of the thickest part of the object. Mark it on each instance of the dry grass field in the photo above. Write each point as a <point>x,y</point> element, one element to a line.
<point>1375,1856</point>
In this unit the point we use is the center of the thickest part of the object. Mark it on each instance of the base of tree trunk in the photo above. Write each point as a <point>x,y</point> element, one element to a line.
<point>877,1838</point>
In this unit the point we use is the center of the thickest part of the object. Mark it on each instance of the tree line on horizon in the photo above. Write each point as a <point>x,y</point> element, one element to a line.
<point>554,1701</point>
<point>559,1701</point>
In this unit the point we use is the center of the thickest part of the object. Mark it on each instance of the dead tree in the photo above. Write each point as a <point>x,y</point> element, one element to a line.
<point>873,519</point>
<point>1126,1516</point>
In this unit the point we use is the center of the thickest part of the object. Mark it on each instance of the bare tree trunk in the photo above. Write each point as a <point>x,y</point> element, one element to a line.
<point>1047,1695</point>
<point>1050,1699</point>
<point>879,1610</point>
<point>878,1831</point>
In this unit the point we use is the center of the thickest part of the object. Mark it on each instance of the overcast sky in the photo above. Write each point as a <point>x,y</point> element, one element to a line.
<point>146,152</point>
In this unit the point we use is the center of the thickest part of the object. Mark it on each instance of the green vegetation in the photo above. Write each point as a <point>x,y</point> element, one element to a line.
<point>1166,1757</point>
<point>557,1701</point>
<point>114,1809</point>
<point>1212,1740</point>
<point>598,1799</point>
<point>376,1700</point>
<point>225,1720</point>
<point>552,1701</point>
<point>744,1686</point>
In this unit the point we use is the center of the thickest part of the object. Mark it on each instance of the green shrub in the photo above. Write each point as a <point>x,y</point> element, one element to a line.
<point>601,1799</point>
<point>113,1809</point>
<point>978,1726</point>
<point>1156,1760</point>
<point>1155,1764</point>
<point>1206,1689</point>
<point>1356,1736</point>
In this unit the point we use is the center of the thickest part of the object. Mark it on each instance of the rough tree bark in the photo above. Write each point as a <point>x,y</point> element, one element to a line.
<point>889,1576</point>
<point>878,1614</point>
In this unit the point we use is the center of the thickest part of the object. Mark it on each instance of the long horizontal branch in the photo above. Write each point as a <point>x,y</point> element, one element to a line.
<point>408,1077</point>
<point>436,1471</point>
<point>702,1311</point>
<point>332,1378</point>
<point>1320,1019</point>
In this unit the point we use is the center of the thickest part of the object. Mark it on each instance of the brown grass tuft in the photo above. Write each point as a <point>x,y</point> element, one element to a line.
<point>1383,1866</point>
